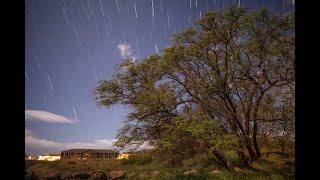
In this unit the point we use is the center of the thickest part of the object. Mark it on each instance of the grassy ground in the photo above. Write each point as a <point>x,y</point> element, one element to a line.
<point>142,167</point>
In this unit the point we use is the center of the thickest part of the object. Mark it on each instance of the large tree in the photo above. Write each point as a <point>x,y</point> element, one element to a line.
<point>234,68</point>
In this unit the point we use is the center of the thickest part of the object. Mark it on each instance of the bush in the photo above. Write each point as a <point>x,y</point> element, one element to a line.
<point>71,162</point>
<point>29,163</point>
<point>139,159</point>
<point>199,161</point>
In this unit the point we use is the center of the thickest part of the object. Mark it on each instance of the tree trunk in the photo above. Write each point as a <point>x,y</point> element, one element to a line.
<point>243,160</point>
<point>255,142</point>
<point>255,132</point>
<point>255,126</point>
<point>220,159</point>
<point>248,146</point>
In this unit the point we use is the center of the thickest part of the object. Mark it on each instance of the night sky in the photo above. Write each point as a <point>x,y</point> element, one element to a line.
<point>71,44</point>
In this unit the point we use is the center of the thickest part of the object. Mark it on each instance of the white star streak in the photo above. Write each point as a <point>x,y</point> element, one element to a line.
<point>164,29</point>
<point>75,114</point>
<point>157,49</point>
<point>169,24</point>
<point>50,83</point>
<point>45,102</point>
<point>87,15</point>
<point>65,15</point>
<point>118,6</point>
<point>65,5</point>
<point>26,75</point>
<point>135,8</point>
<point>109,24</point>
<point>239,3</point>
<point>189,20</point>
<point>76,35</point>
<point>106,27</point>
<point>37,62</point>
<point>90,9</point>
<point>152,8</point>
<point>115,114</point>
<point>101,7</point>
<point>123,36</point>
<point>97,28</point>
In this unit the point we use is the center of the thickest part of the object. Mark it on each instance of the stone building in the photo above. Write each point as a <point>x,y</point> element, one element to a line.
<point>89,154</point>
<point>49,157</point>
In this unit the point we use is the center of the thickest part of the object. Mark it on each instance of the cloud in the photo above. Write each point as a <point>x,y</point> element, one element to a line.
<point>44,116</point>
<point>35,142</point>
<point>37,145</point>
<point>28,133</point>
<point>41,145</point>
<point>126,50</point>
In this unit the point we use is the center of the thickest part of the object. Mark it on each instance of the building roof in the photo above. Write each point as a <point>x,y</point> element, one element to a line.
<point>85,150</point>
<point>50,154</point>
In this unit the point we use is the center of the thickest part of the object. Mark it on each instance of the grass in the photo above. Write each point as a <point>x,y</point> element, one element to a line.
<point>142,167</point>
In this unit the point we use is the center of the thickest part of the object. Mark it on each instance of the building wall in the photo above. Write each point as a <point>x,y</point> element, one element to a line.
<point>123,156</point>
<point>88,155</point>
<point>32,158</point>
<point>48,158</point>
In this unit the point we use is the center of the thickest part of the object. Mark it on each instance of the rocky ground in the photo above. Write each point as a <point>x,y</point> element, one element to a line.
<point>96,175</point>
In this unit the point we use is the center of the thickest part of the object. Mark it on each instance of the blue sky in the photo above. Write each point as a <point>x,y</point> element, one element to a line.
<point>70,44</point>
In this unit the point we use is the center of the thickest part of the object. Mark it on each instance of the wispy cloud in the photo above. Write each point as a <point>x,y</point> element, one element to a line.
<point>44,116</point>
<point>28,133</point>
<point>36,144</point>
<point>126,50</point>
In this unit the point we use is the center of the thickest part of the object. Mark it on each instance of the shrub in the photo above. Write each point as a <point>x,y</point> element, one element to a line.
<point>71,162</point>
<point>29,163</point>
<point>199,161</point>
<point>139,159</point>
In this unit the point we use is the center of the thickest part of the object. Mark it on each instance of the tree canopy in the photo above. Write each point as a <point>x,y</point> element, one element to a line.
<point>226,83</point>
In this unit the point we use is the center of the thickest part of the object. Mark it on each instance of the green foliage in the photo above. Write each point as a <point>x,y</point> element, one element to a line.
<point>200,161</point>
<point>271,167</point>
<point>194,141</point>
<point>227,84</point>
<point>141,159</point>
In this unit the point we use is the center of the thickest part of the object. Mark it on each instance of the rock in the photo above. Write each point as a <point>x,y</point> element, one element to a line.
<point>81,175</point>
<point>117,175</point>
<point>53,176</point>
<point>31,176</point>
<point>66,176</point>
<point>238,170</point>
<point>215,172</point>
<point>191,172</point>
<point>99,175</point>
